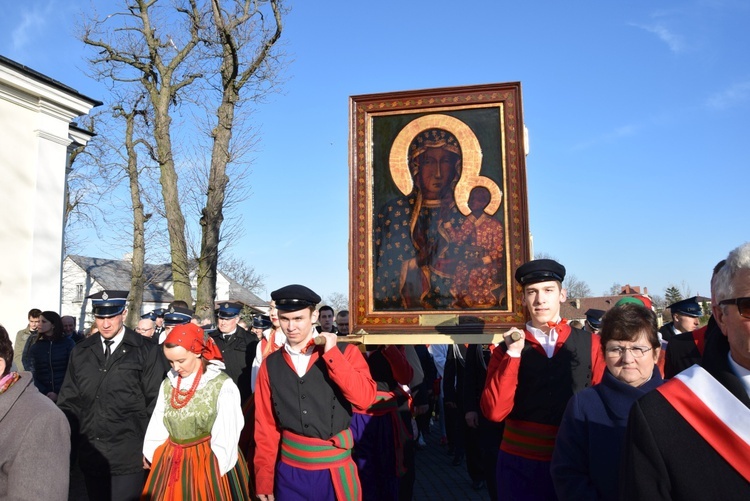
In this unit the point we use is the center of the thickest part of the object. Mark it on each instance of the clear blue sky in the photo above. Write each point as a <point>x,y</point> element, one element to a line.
<point>638,115</point>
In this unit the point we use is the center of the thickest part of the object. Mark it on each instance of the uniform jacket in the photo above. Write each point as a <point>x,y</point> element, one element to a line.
<point>668,457</point>
<point>687,348</point>
<point>586,459</point>
<point>238,352</point>
<point>35,445</point>
<point>667,332</point>
<point>109,404</point>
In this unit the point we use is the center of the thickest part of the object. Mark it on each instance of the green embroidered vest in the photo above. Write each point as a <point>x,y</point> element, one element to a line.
<point>197,417</point>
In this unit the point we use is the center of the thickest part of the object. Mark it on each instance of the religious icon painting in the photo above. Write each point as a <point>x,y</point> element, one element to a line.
<point>438,209</point>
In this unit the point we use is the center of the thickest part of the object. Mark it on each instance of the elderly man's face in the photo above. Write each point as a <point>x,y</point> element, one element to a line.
<point>342,324</point>
<point>734,326</point>
<point>69,324</point>
<point>145,327</point>
<point>228,325</point>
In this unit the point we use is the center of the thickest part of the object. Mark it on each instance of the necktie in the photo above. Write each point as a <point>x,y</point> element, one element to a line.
<point>108,349</point>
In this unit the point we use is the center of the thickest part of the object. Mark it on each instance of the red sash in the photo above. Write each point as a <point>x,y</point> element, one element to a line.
<point>334,454</point>
<point>699,337</point>
<point>714,413</point>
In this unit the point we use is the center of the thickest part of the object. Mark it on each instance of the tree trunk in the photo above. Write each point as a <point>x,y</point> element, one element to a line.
<point>173,211</point>
<point>137,281</point>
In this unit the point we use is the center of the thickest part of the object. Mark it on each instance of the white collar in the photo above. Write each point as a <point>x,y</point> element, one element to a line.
<point>740,372</point>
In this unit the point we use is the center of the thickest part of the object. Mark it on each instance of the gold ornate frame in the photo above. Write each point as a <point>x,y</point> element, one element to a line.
<point>487,122</point>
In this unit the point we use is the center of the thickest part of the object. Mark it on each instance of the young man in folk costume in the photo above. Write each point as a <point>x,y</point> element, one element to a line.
<point>690,439</point>
<point>304,397</point>
<point>531,379</point>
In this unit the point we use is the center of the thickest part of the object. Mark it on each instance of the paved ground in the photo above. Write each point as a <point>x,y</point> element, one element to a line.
<point>437,479</point>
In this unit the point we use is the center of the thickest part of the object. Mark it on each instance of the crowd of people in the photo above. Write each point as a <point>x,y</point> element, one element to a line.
<point>284,407</point>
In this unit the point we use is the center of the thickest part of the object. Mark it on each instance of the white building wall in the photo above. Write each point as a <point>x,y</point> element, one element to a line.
<point>34,122</point>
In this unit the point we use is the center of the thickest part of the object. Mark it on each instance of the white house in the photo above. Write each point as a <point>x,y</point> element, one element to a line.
<point>83,276</point>
<point>37,131</point>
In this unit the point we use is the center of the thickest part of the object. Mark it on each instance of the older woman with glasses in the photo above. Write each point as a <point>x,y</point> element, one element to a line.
<point>586,460</point>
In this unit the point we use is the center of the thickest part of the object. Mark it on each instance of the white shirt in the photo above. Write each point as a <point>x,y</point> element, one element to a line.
<point>547,341</point>
<point>300,360</point>
<point>117,340</point>
<point>225,432</point>
<point>740,372</point>
<point>279,339</point>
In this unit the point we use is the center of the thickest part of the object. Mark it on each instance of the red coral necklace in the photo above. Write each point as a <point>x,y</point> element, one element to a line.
<point>180,398</point>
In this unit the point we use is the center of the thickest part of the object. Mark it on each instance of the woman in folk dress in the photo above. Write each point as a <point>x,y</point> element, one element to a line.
<point>191,440</point>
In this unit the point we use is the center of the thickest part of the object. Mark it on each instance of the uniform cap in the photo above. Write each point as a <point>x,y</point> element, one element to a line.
<point>689,307</point>
<point>262,322</point>
<point>108,303</point>
<point>540,270</point>
<point>229,310</point>
<point>151,315</point>
<point>594,317</point>
<point>177,315</point>
<point>294,297</point>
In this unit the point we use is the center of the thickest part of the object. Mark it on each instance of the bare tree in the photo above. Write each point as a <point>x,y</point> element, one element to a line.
<point>576,288</point>
<point>212,55</point>
<point>137,280</point>
<point>231,30</point>
<point>337,301</point>
<point>614,290</point>
<point>243,273</point>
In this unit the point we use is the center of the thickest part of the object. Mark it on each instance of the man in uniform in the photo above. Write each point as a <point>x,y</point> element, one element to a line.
<point>108,395</point>
<point>687,348</point>
<point>593,320</point>
<point>237,346</point>
<point>260,324</point>
<point>304,399</point>
<point>531,379</point>
<point>690,438</point>
<point>159,320</point>
<point>174,315</point>
<point>147,325</point>
<point>686,315</point>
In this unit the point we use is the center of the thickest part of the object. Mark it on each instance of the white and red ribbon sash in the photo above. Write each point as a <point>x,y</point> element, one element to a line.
<point>717,415</point>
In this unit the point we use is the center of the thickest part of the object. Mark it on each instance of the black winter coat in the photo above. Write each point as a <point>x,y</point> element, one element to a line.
<point>50,361</point>
<point>238,352</point>
<point>110,403</point>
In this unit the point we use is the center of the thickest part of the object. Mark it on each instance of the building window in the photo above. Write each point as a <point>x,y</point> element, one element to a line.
<point>79,292</point>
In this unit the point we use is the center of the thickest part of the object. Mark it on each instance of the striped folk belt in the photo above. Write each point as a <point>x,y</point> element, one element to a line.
<point>529,440</point>
<point>386,403</point>
<point>334,454</point>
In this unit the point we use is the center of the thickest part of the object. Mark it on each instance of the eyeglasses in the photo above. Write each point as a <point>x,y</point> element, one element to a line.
<point>141,329</point>
<point>619,351</point>
<point>743,305</point>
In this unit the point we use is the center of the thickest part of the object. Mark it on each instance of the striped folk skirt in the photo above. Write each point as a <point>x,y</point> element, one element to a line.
<point>190,471</point>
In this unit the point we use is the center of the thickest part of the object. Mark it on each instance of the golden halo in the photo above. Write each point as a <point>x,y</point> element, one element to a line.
<point>398,161</point>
